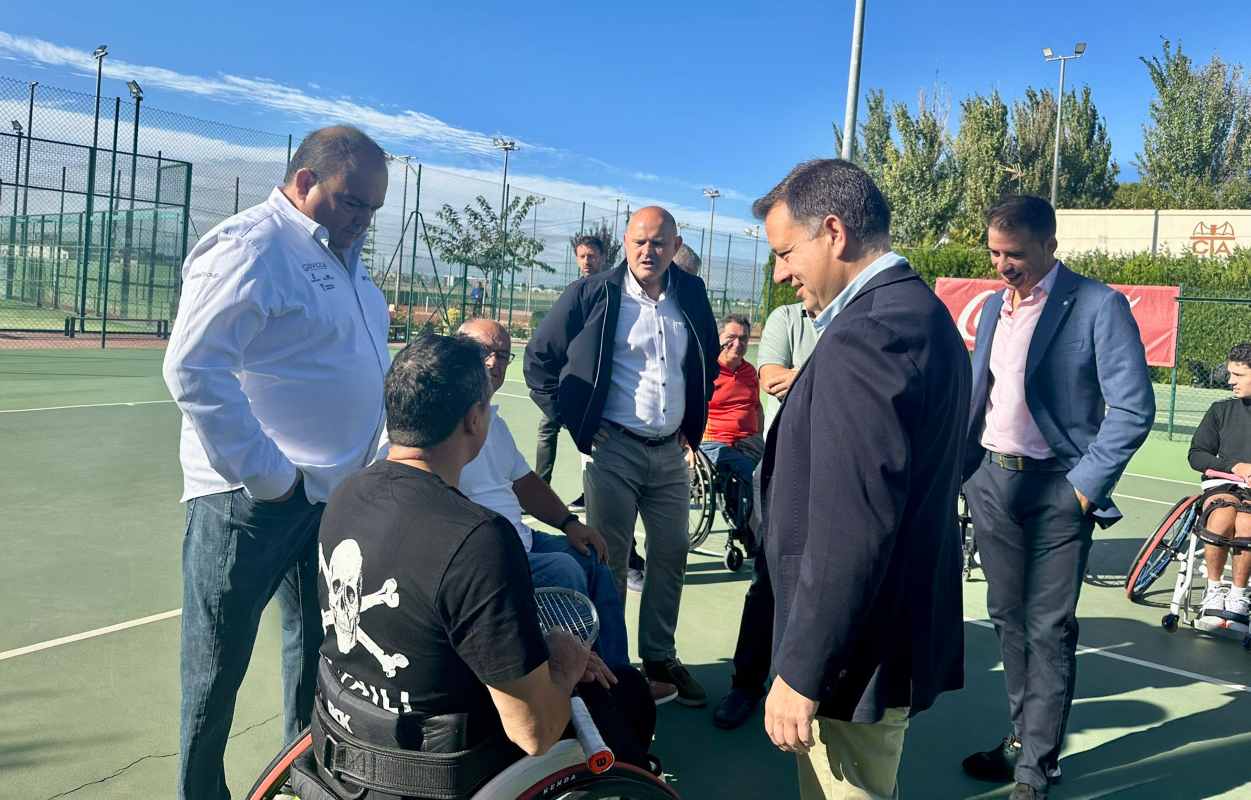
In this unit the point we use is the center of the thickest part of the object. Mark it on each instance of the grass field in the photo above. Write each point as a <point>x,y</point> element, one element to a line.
<point>90,585</point>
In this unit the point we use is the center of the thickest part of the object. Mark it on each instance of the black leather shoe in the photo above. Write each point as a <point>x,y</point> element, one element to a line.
<point>735,708</point>
<point>1023,791</point>
<point>997,764</point>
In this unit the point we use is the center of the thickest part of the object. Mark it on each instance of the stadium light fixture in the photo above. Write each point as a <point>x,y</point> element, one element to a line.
<point>135,90</point>
<point>17,126</point>
<point>1049,55</point>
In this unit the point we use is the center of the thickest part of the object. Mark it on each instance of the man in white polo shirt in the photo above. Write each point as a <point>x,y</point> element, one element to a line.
<point>277,361</point>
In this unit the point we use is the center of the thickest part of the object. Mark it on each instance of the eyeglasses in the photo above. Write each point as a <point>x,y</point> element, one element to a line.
<point>505,355</point>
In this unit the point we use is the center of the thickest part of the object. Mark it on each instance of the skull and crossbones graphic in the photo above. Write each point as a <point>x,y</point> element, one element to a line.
<point>343,584</point>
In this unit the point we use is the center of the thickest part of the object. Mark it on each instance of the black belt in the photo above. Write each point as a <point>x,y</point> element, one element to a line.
<point>1024,464</point>
<point>647,441</point>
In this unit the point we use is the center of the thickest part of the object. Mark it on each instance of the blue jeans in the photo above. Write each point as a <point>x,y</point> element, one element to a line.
<point>555,562</point>
<point>236,555</point>
<point>723,456</point>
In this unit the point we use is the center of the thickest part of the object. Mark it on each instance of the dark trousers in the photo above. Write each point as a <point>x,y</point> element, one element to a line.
<point>236,555</point>
<point>1034,541</point>
<point>545,457</point>
<point>753,653</point>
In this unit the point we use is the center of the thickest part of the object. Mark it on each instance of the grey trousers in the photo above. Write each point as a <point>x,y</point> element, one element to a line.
<point>624,480</point>
<point>1034,541</point>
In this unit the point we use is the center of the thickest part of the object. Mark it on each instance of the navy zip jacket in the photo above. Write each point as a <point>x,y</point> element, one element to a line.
<point>568,364</point>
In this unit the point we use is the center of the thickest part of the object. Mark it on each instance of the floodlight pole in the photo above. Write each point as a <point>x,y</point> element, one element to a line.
<point>507,145</point>
<point>1055,159</point>
<point>30,131</point>
<point>137,93</point>
<point>712,195</point>
<point>99,54</point>
<point>853,83</point>
<point>754,233</point>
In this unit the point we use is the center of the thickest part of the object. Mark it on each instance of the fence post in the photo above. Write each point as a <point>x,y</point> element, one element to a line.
<point>108,239</point>
<point>156,217</point>
<point>43,218</point>
<point>11,272</point>
<point>1172,403</point>
<point>186,221</point>
<point>236,194</point>
<point>288,149</point>
<point>725,289</point>
<point>60,226</point>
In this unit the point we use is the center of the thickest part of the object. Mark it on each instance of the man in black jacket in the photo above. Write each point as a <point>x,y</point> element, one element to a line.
<point>626,361</point>
<point>861,472</point>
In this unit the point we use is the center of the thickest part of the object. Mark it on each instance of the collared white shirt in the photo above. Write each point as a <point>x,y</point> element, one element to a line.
<point>877,266</point>
<point>277,357</point>
<point>648,391</point>
<point>488,479</point>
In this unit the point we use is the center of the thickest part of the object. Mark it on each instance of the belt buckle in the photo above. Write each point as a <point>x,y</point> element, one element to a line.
<point>1014,463</point>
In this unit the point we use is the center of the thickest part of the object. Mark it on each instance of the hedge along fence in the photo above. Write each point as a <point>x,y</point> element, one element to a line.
<point>1208,329</point>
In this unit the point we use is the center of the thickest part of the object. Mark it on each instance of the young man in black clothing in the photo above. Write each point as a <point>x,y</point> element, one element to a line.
<point>1222,442</point>
<point>429,595</point>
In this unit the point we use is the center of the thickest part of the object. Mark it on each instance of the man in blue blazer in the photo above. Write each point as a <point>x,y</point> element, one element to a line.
<point>1061,400</point>
<point>861,471</point>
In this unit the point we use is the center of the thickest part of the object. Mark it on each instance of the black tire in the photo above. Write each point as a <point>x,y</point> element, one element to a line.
<point>1169,623</point>
<point>1160,548</point>
<point>703,505</point>
<point>275,775</point>
<point>734,559</point>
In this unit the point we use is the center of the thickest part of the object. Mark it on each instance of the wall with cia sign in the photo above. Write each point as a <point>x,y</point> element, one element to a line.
<point>1204,233</point>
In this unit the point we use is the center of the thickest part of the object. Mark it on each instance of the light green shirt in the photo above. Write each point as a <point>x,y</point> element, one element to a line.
<point>787,340</point>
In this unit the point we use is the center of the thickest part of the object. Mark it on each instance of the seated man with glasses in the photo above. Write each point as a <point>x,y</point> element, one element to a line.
<point>500,479</point>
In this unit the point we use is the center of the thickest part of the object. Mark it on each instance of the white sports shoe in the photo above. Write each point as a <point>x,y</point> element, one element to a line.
<point>1214,601</point>
<point>1238,607</point>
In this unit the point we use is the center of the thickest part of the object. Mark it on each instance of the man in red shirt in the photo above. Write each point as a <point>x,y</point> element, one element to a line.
<point>732,438</point>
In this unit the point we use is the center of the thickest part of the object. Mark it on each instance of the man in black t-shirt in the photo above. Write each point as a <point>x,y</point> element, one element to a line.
<point>1222,442</point>
<point>426,597</point>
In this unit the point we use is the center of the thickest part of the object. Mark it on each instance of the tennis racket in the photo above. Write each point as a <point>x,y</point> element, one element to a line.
<point>574,613</point>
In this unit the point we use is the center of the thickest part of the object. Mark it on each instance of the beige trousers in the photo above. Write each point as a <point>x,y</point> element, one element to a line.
<point>852,760</point>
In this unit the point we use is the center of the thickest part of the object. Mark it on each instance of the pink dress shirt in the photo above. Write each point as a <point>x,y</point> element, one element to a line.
<point>1010,428</point>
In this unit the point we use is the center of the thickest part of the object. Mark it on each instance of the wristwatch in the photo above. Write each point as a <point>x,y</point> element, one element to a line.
<point>564,523</point>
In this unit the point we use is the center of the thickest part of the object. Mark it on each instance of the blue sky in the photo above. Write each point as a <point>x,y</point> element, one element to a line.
<point>642,100</point>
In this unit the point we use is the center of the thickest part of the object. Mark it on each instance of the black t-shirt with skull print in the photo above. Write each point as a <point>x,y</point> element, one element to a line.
<point>425,596</point>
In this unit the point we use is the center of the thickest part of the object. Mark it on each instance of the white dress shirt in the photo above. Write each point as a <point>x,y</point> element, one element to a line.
<point>648,391</point>
<point>277,357</point>
<point>488,479</point>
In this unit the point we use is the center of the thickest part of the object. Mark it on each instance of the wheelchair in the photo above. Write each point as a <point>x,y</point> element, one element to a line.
<point>721,492</point>
<point>1181,537</point>
<point>561,773</point>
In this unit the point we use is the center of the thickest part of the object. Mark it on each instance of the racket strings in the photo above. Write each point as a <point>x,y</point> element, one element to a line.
<point>569,612</point>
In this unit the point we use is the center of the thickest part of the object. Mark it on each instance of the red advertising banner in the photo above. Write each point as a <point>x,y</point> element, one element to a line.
<point>1154,309</point>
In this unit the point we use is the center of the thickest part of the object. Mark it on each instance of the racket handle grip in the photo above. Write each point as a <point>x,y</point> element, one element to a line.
<point>599,756</point>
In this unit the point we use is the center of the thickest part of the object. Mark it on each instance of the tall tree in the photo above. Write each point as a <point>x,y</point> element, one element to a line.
<point>1199,134</point>
<point>473,239</point>
<point>981,153</point>
<point>919,177</point>
<point>1087,170</point>
<point>875,133</point>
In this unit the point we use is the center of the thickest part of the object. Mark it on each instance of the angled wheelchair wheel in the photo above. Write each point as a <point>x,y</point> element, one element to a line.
<point>623,782</point>
<point>1161,547</point>
<point>703,504</point>
<point>274,777</point>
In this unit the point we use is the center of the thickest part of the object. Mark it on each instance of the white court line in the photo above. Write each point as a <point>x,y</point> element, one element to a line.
<point>1143,499</point>
<point>1158,478</point>
<point>1103,651</point>
<point>78,637</point>
<point>84,405</point>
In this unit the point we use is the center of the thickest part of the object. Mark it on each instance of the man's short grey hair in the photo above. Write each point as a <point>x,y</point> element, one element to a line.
<point>826,187</point>
<point>687,259</point>
<point>737,319</point>
<point>333,151</point>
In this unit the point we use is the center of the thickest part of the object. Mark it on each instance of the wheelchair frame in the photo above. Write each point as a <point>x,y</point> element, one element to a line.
<point>554,774</point>
<point>709,496</point>
<point>1177,539</point>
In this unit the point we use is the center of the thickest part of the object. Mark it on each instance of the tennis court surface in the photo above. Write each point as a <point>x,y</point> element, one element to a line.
<point>90,587</point>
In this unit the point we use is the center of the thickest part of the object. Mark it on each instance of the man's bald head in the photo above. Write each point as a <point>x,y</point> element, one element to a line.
<point>651,239</point>
<point>496,344</point>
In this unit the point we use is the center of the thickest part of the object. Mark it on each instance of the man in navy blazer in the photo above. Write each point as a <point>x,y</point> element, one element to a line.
<point>861,471</point>
<point>1061,400</point>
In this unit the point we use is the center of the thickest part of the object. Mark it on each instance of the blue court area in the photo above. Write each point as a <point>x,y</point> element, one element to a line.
<point>90,588</point>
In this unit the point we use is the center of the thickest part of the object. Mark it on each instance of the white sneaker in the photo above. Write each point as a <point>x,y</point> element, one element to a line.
<point>634,580</point>
<point>1214,601</point>
<point>1238,607</point>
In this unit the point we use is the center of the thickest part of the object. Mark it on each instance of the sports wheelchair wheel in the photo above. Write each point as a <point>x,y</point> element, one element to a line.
<point>703,498</point>
<point>733,558</point>
<point>274,777</point>
<point>1160,548</point>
